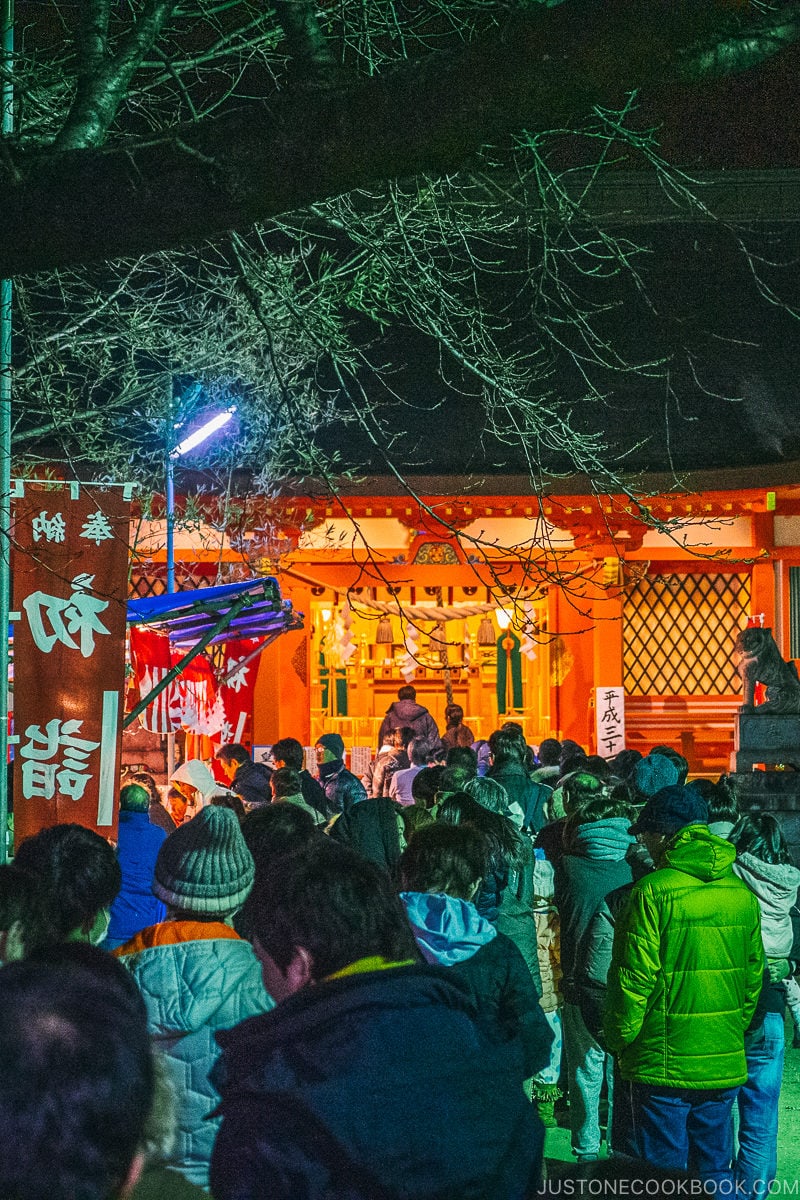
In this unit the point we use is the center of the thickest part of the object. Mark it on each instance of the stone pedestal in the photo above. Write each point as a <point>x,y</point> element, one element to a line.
<point>769,738</point>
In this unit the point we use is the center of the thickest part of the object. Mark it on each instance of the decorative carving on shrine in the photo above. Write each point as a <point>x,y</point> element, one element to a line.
<point>299,661</point>
<point>435,554</point>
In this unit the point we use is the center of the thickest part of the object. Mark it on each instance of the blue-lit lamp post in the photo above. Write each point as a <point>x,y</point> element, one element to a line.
<point>190,442</point>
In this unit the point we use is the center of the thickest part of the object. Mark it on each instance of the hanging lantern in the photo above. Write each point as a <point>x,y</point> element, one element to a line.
<point>384,631</point>
<point>486,633</point>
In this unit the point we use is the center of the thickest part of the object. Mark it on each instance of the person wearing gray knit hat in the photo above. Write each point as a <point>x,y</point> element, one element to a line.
<point>196,974</point>
<point>205,866</point>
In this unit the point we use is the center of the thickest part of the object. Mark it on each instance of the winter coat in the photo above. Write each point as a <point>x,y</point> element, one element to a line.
<point>514,912</point>
<point>487,964</point>
<point>548,946</point>
<point>407,713</point>
<point>313,794</point>
<point>686,969</point>
<point>342,789</point>
<point>138,844</point>
<point>528,795</point>
<point>369,1086</point>
<point>197,977</point>
<point>385,768</point>
<point>457,735</point>
<point>593,865</point>
<point>402,782</point>
<point>375,829</point>
<point>594,960</point>
<point>251,783</point>
<point>775,887</point>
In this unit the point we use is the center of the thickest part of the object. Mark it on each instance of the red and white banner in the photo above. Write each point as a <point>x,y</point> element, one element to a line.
<point>70,568</point>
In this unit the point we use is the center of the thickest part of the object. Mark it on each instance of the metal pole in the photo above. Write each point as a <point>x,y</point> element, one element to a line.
<point>170,499</point>
<point>6,298</point>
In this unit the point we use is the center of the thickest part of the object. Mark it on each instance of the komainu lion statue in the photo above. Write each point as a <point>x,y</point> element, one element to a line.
<point>761,662</point>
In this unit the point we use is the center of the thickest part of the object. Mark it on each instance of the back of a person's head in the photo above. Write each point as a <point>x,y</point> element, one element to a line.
<point>145,780</point>
<point>290,752</point>
<point>418,752</point>
<point>425,786</point>
<point>463,757</point>
<point>24,919</point>
<point>233,752</point>
<point>598,766</point>
<point>549,752</point>
<point>602,806</point>
<point>721,798</point>
<point>134,798</point>
<point>680,762</point>
<point>453,779</point>
<point>405,735</point>
<point>623,764</point>
<point>276,830</point>
<point>489,793</point>
<point>571,763</point>
<point>76,1076</point>
<point>578,788</point>
<point>204,868</point>
<point>77,872</point>
<point>444,858</point>
<point>506,746</point>
<point>234,803</point>
<point>454,714</point>
<point>285,782</point>
<point>407,692</point>
<point>461,808</point>
<point>331,902</point>
<point>760,834</point>
<point>570,749</point>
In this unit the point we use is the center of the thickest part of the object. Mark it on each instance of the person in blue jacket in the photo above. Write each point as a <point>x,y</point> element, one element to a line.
<point>138,844</point>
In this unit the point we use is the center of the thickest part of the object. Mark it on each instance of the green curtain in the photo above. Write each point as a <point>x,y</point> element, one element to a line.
<point>340,688</point>
<point>516,673</point>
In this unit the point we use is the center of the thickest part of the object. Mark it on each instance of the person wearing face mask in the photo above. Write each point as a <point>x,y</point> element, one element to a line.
<point>79,878</point>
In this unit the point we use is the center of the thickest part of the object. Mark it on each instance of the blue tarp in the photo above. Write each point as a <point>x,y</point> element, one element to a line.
<point>189,616</point>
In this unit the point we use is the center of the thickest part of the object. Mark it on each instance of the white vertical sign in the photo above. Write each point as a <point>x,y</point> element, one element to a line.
<point>609,707</point>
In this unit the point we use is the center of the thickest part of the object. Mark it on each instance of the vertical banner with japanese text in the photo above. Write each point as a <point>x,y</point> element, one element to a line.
<point>70,571</point>
<point>610,717</point>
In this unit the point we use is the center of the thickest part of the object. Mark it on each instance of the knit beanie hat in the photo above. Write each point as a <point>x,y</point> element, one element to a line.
<point>653,773</point>
<point>670,809</point>
<point>332,742</point>
<point>205,866</point>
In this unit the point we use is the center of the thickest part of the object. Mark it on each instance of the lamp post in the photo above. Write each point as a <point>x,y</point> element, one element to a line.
<point>191,442</point>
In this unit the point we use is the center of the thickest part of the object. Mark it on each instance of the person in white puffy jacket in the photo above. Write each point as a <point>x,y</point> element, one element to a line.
<point>196,974</point>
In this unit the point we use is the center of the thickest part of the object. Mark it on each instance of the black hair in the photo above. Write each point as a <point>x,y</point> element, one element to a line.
<point>285,782</point>
<point>234,803</point>
<point>444,858</point>
<point>77,872</point>
<point>76,1075</point>
<point>571,763</point>
<point>505,845</point>
<point>721,798</point>
<point>624,763</point>
<point>760,834</point>
<point>505,745</point>
<point>406,735</point>
<point>453,715</point>
<point>21,904</point>
<point>418,752</point>
<point>145,780</point>
<point>426,784</point>
<point>579,788</point>
<point>677,759</point>
<point>598,766</point>
<point>599,807</point>
<point>570,749</point>
<point>233,752</point>
<point>407,692</point>
<point>133,797</point>
<point>463,757</point>
<point>453,779</point>
<point>333,903</point>
<point>549,752</point>
<point>289,751</point>
<point>277,829</point>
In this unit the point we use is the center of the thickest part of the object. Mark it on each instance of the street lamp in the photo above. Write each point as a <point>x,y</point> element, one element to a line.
<point>191,442</point>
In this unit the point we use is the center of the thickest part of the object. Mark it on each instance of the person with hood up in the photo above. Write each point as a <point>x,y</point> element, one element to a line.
<point>342,789</point>
<point>441,870</point>
<point>763,863</point>
<point>406,711</point>
<point>685,977</point>
<point>597,839</point>
<point>196,974</point>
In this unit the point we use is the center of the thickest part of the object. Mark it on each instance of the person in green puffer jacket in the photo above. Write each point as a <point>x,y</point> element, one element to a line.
<point>686,972</point>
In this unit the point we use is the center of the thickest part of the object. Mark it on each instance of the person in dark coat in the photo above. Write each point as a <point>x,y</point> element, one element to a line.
<point>138,844</point>
<point>342,788</point>
<point>374,828</point>
<point>371,1074</point>
<point>288,752</point>
<point>508,769</point>
<point>391,760</point>
<point>248,779</point>
<point>441,870</point>
<point>596,843</point>
<point>406,711</point>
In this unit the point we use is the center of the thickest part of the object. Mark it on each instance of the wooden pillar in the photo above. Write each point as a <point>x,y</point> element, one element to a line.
<point>607,616</point>
<point>282,701</point>
<point>571,665</point>
<point>762,580</point>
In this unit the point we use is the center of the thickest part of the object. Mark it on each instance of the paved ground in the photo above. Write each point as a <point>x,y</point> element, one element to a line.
<point>557,1147</point>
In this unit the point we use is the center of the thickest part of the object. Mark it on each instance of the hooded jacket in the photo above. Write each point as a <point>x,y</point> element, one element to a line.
<point>775,887</point>
<point>373,1086</point>
<point>415,716</point>
<point>197,977</point>
<point>487,964</point>
<point>686,969</point>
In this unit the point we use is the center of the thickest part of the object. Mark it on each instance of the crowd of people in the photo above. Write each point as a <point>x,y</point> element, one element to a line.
<point>318,986</point>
